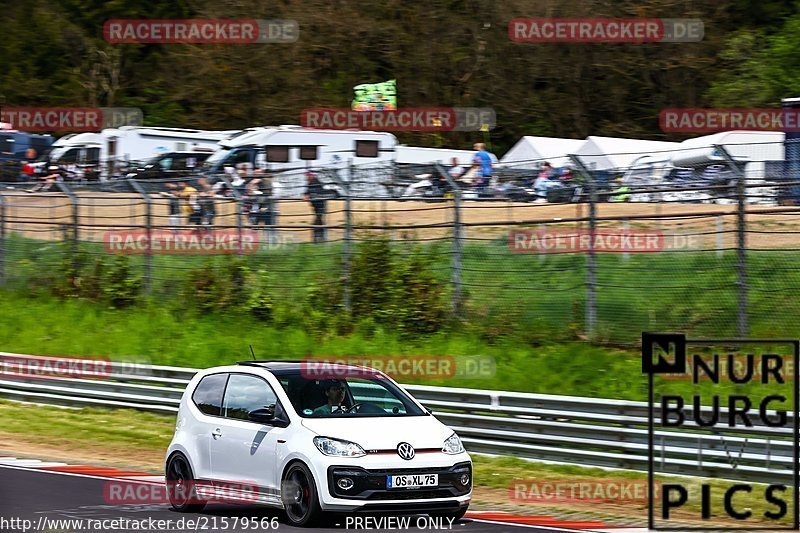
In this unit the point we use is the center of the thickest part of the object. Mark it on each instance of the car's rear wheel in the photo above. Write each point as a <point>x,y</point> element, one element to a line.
<point>181,486</point>
<point>300,497</point>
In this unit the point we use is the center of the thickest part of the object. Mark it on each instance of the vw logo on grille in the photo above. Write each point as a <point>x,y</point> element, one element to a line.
<point>405,450</point>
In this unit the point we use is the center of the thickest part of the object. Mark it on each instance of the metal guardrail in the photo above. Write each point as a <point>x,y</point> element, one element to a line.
<point>563,429</point>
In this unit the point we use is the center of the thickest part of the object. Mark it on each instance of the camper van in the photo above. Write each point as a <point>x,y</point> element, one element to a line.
<point>287,152</point>
<point>115,149</point>
<point>759,154</point>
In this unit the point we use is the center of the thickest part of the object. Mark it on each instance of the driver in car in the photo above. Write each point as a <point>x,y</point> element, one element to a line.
<point>334,391</point>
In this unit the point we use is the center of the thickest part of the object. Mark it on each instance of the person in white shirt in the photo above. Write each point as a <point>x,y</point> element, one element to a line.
<point>456,170</point>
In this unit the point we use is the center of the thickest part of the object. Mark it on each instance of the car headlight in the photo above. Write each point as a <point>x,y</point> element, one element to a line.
<point>452,445</point>
<point>338,448</point>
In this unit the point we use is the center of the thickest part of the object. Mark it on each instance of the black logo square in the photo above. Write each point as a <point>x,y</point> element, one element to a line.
<point>671,345</point>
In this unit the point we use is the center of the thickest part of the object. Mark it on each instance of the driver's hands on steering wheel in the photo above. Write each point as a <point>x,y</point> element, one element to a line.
<point>352,409</point>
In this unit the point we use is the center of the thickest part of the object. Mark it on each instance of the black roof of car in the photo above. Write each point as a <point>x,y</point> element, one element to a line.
<point>294,365</point>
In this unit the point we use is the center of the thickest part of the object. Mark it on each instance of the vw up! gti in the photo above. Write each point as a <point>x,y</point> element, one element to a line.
<point>353,441</point>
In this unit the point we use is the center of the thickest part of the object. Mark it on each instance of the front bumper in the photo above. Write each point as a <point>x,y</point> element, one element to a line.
<point>369,493</point>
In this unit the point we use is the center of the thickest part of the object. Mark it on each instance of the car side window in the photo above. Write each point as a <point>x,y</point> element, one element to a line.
<point>207,395</point>
<point>246,393</point>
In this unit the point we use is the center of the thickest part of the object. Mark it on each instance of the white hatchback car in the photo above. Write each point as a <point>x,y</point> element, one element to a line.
<point>354,441</point>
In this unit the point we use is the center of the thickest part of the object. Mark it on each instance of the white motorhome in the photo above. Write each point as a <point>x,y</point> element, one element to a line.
<point>287,151</point>
<point>418,155</point>
<point>113,147</point>
<point>753,149</point>
<point>758,153</point>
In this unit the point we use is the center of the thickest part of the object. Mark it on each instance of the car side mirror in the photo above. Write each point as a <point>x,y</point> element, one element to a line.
<point>267,416</point>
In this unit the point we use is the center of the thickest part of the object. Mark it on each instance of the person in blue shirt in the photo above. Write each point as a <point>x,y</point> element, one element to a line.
<point>483,158</point>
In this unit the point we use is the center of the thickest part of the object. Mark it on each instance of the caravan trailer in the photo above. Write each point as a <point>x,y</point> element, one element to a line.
<point>288,151</point>
<point>114,149</point>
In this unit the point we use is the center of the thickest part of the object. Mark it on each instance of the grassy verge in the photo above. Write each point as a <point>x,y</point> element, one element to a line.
<point>132,439</point>
<point>155,334</point>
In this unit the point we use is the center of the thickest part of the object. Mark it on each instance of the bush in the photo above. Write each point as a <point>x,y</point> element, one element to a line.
<point>120,287</point>
<point>80,277</point>
<point>231,288</point>
<point>387,287</point>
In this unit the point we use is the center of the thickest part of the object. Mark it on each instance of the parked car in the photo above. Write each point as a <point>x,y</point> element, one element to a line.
<point>313,440</point>
<point>170,165</point>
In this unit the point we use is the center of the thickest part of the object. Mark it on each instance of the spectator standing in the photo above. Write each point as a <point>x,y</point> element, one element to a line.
<point>208,209</point>
<point>315,195</point>
<point>191,206</point>
<point>174,206</point>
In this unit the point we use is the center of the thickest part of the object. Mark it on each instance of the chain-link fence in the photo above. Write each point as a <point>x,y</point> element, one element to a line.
<point>574,251</point>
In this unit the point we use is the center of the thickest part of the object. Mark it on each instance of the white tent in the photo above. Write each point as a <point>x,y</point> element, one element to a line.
<point>609,153</point>
<point>743,145</point>
<point>531,151</point>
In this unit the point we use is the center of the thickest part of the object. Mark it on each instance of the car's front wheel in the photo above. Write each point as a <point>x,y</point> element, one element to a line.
<point>300,497</point>
<point>181,486</point>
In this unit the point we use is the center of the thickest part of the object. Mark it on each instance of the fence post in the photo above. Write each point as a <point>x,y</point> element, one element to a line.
<point>458,236</point>
<point>148,221</point>
<point>591,260</point>
<point>741,242</point>
<point>75,207</point>
<point>237,197</point>
<point>348,234</point>
<point>2,239</point>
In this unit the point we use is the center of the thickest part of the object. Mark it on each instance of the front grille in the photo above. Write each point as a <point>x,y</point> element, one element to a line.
<point>397,494</point>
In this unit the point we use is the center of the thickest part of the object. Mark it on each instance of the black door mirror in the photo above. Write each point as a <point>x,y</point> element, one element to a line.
<point>267,416</point>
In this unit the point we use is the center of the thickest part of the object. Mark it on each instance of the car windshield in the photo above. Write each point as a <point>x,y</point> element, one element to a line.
<point>346,397</point>
<point>216,157</point>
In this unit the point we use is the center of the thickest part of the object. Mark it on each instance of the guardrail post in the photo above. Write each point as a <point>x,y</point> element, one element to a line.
<point>148,221</point>
<point>2,239</point>
<point>741,242</point>
<point>457,241</point>
<point>591,262</point>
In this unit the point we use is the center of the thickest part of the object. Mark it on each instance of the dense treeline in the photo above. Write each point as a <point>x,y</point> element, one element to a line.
<point>443,53</point>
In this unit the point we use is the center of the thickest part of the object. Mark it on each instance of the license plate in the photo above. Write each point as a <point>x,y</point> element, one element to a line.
<point>412,481</point>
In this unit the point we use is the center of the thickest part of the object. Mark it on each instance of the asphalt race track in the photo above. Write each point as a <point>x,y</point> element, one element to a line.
<point>45,498</point>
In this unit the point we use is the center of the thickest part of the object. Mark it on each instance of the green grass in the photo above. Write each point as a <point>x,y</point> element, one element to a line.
<point>48,326</point>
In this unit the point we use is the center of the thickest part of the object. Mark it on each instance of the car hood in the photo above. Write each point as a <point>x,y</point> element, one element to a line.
<point>383,433</point>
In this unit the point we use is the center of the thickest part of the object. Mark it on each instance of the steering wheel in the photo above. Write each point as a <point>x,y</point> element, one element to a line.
<point>352,408</point>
